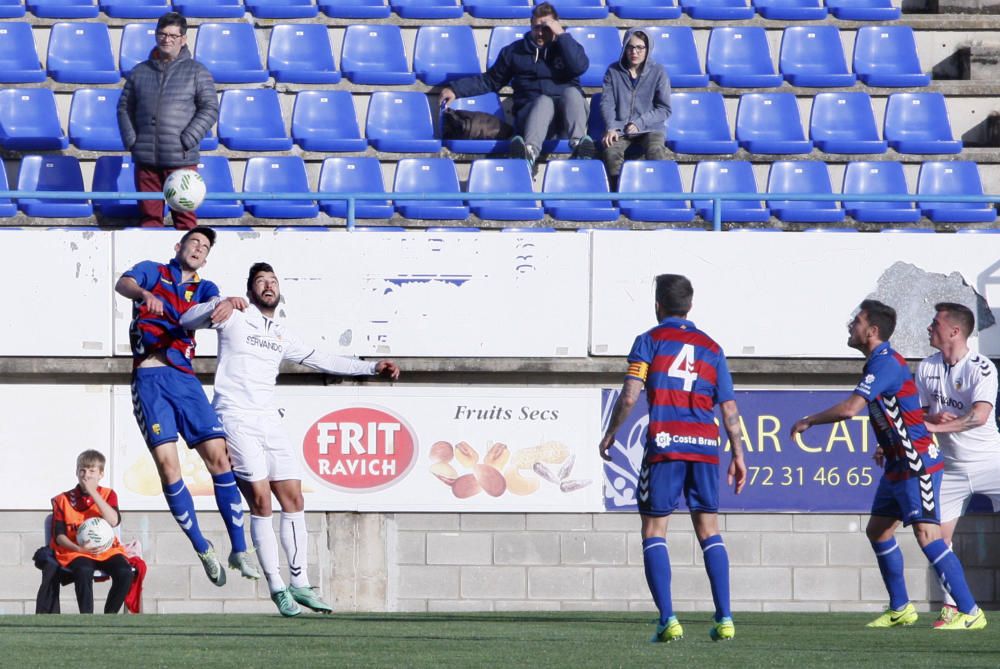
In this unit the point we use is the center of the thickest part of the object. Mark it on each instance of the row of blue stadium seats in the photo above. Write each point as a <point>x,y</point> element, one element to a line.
<point>402,122</point>
<point>791,10</point>
<point>374,54</point>
<point>282,175</point>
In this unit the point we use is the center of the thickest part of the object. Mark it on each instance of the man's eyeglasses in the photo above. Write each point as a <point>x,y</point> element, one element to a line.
<point>169,37</point>
<point>635,47</point>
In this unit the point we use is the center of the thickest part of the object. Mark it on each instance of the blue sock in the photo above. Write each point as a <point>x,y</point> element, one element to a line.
<point>182,507</point>
<point>890,563</point>
<point>717,565</point>
<point>949,571</point>
<point>656,561</point>
<point>227,498</point>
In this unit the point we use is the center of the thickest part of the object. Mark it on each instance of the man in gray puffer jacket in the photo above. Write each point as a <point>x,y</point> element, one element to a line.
<point>167,106</point>
<point>635,105</point>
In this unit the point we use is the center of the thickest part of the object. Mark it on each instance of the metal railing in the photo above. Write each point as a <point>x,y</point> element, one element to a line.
<point>353,198</point>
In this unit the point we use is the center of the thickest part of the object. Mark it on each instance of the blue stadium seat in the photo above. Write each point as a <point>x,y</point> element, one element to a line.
<point>960,177</point>
<point>282,9</point>
<point>718,10</point>
<point>580,9</point>
<point>450,229</point>
<point>732,176</point>
<point>863,10</point>
<point>488,103</point>
<point>63,9</point>
<point>80,53</point>
<point>698,124</point>
<point>93,119</point>
<point>645,9</point>
<point>500,37</point>
<point>113,174</point>
<point>52,173</point>
<point>769,123</point>
<point>7,208</point>
<point>427,9</point>
<point>325,121</point>
<point>250,120</point>
<point>218,179</point>
<point>498,9</point>
<point>845,123</point>
<point>877,178</point>
<point>355,9</point>
<point>373,54</point>
<point>400,122</point>
<point>135,9</point>
<point>138,41</point>
<point>674,48</point>
<point>12,9</point>
<point>18,59</point>
<point>210,9</point>
<point>277,174</point>
<point>652,176</point>
<point>442,53</point>
<point>603,45</point>
<point>428,175</point>
<point>887,56</point>
<point>918,123</point>
<point>28,120</point>
<point>739,57</point>
<point>353,175</point>
<point>791,10</point>
<point>493,175</point>
<point>522,230</point>
<point>578,176</point>
<point>301,54</point>
<point>210,142</point>
<point>802,176</point>
<point>229,51</point>
<point>814,56</point>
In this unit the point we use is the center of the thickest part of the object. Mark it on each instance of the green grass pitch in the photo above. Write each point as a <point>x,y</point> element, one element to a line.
<point>574,640</point>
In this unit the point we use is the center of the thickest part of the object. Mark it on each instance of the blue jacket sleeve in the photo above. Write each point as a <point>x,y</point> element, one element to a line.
<point>573,54</point>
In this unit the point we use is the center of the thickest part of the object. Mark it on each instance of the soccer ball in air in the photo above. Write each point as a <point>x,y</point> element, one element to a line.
<point>184,190</point>
<point>95,535</point>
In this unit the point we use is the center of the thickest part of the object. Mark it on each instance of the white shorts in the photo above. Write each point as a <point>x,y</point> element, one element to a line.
<point>258,448</point>
<point>960,482</point>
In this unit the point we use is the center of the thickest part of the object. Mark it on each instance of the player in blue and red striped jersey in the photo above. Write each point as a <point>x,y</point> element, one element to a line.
<point>168,398</point>
<point>908,489</point>
<point>685,375</point>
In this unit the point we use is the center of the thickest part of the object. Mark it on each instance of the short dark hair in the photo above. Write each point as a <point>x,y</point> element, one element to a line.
<point>172,19</point>
<point>959,314</point>
<point>881,316</point>
<point>544,9</point>
<point>256,269</point>
<point>203,229</point>
<point>673,294</point>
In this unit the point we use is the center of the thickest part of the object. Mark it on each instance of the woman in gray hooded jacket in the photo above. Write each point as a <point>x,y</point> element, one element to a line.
<point>635,105</point>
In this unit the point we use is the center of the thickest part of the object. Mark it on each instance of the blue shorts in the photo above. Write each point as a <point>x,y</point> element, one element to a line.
<point>914,500</point>
<point>167,401</point>
<point>661,484</point>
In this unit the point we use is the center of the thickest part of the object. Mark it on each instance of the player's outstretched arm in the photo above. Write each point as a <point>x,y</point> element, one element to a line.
<point>737,473</point>
<point>388,369</point>
<point>623,407</point>
<point>130,289</point>
<point>200,315</point>
<point>977,416</point>
<point>849,408</point>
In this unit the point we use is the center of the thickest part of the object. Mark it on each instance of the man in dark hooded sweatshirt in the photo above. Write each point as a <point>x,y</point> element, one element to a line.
<point>167,106</point>
<point>544,70</point>
<point>635,105</point>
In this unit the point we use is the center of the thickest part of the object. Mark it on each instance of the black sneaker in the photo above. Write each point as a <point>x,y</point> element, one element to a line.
<point>585,149</point>
<point>518,149</point>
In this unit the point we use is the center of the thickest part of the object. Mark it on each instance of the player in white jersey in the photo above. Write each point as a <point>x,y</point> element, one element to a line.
<point>252,346</point>
<point>958,390</point>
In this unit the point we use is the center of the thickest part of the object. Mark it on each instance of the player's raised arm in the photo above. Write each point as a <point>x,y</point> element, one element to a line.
<point>130,289</point>
<point>849,408</point>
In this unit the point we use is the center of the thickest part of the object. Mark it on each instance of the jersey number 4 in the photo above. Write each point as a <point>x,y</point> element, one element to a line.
<point>683,367</point>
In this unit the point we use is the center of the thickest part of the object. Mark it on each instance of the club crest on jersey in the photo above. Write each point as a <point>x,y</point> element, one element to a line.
<point>932,451</point>
<point>188,294</point>
<point>156,428</point>
<point>958,384</point>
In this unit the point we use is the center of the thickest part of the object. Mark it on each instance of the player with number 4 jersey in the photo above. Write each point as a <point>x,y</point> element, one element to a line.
<point>685,376</point>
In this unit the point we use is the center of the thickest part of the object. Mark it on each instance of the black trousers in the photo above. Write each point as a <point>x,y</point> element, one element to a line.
<point>117,567</point>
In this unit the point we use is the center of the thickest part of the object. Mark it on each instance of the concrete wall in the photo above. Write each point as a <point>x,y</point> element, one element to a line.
<point>526,562</point>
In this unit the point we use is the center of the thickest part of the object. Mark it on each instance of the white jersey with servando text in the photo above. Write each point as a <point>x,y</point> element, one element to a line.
<point>251,348</point>
<point>954,389</point>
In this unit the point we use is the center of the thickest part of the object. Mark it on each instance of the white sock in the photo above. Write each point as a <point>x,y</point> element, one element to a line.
<point>295,541</point>
<point>262,535</point>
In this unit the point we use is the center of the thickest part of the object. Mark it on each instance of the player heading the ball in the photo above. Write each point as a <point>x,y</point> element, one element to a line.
<point>908,491</point>
<point>685,375</point>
